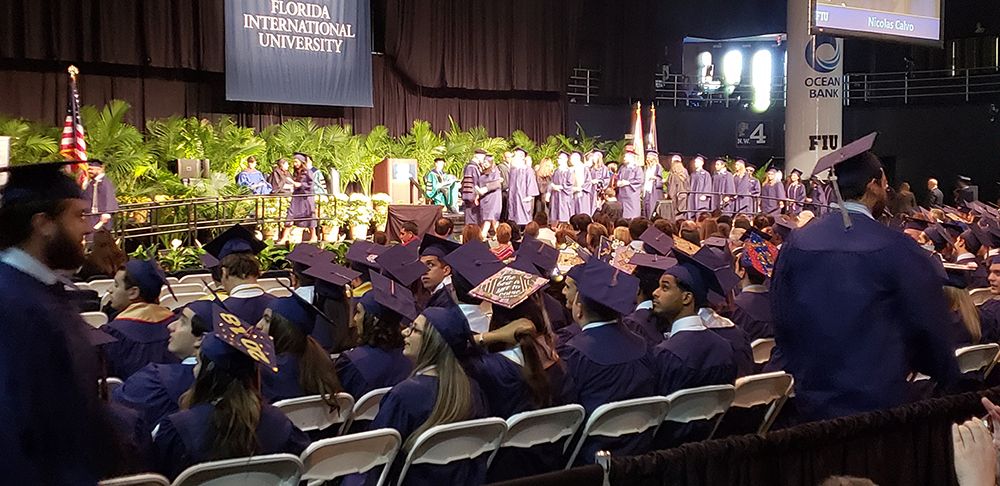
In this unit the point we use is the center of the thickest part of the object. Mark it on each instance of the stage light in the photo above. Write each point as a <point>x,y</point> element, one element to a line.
<point>761,69</point>
<point>732,67</point>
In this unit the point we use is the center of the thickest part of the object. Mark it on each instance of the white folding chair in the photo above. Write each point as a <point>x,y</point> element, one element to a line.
<point>702,403</point>
<point>545,426</point>
<point>366,408</point>
<point>183,288</point>
<point>762,350</point>
<point>980,296</point>
<point>269,470</point>
<point>96,319</point>
<point>173,302</point>
<point>312,413</point>
<point>328,459</point>
<point>147,479</point>
<point>626,417</point>
<point>765,388</point>
<point>978,357</point>
<point>83,286</point>
<point>280,292</point>
<point>172,280</point>
<point>199,278</point>
<point>113,383</point>
<point>101,285</point>
<point>443,444</point>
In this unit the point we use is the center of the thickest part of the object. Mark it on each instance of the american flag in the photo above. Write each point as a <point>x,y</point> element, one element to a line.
<point>72,146</point>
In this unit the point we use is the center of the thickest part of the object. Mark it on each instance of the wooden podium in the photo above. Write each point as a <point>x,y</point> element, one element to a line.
<point>393,177</point>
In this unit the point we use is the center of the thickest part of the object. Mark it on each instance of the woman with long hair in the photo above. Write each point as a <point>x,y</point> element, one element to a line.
<point>302,210</point>
<point>438,392</point>
<point>104,259</point>
<point>543,176</point>
<point>594,233</point>
<point>472,232</point>
<point>223,415</point>
<point>304,367</point>
<point>378,360</point>
<point>965,325</point>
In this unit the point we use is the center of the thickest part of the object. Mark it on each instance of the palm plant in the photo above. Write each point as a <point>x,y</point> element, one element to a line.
<point>299,135</point>
<point>30,142</point>
<point>120,145</point>
<point>375,147</point>
<point>422,144</point>
<point>230,145</point>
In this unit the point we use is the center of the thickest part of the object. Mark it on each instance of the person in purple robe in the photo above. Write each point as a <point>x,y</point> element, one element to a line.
<point>543,177</point>
<point>583,185</point>
<point>140,327</point>
<point>751,309</point>
<point>214,414</point>
<point>468,190</point>
<point>437,280</point>
<point>652,187</point>
<point>629,183</point>
<point>816,200</point>
<point>600,177</point>
<point>700,198</point>
<point>678,185</point>
<point>742,186</point>
<point>101,195</point>
<point>643,322</point>
<point>436,342</point>
<point>561,191</point>
<point>302,210</point>
<point>606,361</point>
<point>378,360</point>
<point>772,194</point>
<point>489,186</point>
<point>523,188</point>
<point>754,190</point>
<point>796,192</point>
<point>724,187</point>
<point>236,251</point>
<point>252,179</point>
<point>155,390</point>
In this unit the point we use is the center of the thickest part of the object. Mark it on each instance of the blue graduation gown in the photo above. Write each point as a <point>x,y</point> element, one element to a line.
<point>989,321</point>
<point>303,206</point>
<point>643,323</point>
<point>796,192</point>
<point>742,351</point>
<point>886,323</point>
<point>366,368</point>
<point>490,203</point>
<point>523,184</point>
<point>561,199</point>
<point>742,186</point>
<point>470,198</point>
<point>701,185</point>
<point>724,184</point>
<point>253,180</point>
<point>285,383</point>
<point>155,390</point>
<point>405,408</point>
<point>103,199</point>
<point>141,331</point>
<point>55,430</point>
<point>441,298</point>
<point>689,359</point>
<point>771,206</point>
<point>609,363</point>
<point>752,313</point>
<point>631,195</point>
<point>250,309</point>
<point>185,438</point>
<point>655,194</point>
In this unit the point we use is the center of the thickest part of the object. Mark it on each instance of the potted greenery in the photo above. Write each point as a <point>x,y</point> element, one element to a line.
<point>333,208</point>
<point>359,215</point>
<point>380,206</point>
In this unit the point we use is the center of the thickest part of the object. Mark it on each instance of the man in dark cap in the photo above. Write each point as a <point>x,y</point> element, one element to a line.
<point>100,192</point>
<point>237,249</point>
<point>437,279</point>
<point>55,430</point>
<point>852,295</point>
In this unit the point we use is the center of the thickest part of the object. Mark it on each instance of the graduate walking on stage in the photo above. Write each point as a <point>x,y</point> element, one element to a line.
<point>630,182</point>
<point>700,201</point>
<point>523,188</point>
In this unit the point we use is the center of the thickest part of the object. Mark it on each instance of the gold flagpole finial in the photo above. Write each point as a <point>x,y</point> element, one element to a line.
<point>73,71</point>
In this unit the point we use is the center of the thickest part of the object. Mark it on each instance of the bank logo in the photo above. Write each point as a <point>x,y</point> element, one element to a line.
<point>823,54</point>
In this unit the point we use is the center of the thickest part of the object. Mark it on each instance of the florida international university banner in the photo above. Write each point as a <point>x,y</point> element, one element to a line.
<point>314,52</point>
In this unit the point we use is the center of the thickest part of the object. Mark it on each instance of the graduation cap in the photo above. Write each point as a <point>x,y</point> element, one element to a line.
<point>958,274</point>
<point>754,232</point>
<point>432,245</point>
<point>621,257</point>
<point>296,310</point>
<point>452,325</point>
<point>939,235</point>
<point>758,252</point>
<point>331,277</point>
<point>716,241</point>
<point>308,255</point>
<point>796,171</point>
<point>721,263</point>
<point>234,340</point>
<point>784,226</point>
<point>364,252</point>
<point>208,261</point>
<point>402,262</point>
<point>696,276</point>
<point>237,239</point>
<point>845,163</point>
<point>606,285</point>
<point>474,262</point>
<point>533,251</point>
<point>965,179</point>
<point>147,275</point>
<point>685,246</point>
<point>914,223</point>
<point>975,238</point>
<point>659,241</point>
<point>983,209</point>
<point>605,248</point>
<point>44,181</point>
<point>508,287</point>
<point>386,294</point>
<point>655,262</point>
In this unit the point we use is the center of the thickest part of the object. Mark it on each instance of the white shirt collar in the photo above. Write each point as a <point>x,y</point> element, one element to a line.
<point>246,291</point>
<point>445,281</point>
<point>190,360</point>
<point>965,256</point>
<point>755,289</point>
<point>26,263</point>
<point>712,319</point>
<point>306,292</point>
<point>636,245</point>
<point>594,325</point>
<point>689,323</point>
<point>514,354</point>
<point>856,207</point>
<point>993,252</point>
<point>646,304</point>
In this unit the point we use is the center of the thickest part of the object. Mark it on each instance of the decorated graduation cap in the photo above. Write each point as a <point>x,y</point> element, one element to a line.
<point>297,311</point>
<point>452,325</point>
<point>402,262</point>
<point>234,340</point>
<point>237,239</point>
<point>387,295</point>
<point>758,252</point>
<point>147,275</point>
<point>432,245</point>
<point>364,253</point>
<point>848,164</point>
<point>606,285</point>
<point>534,252</point>
<point>657,240</point>
<point>474,262</point>
<point>508,287</point>
<point>41,182</point>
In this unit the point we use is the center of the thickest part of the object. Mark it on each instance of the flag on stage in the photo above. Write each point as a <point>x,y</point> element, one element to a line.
<point>651,144</point>
<point>637,144</point>
<point>72,146</point>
